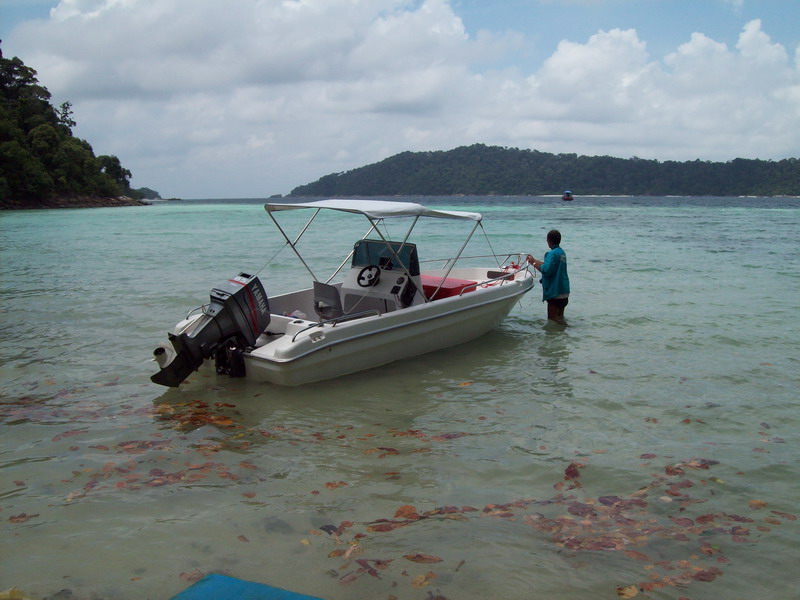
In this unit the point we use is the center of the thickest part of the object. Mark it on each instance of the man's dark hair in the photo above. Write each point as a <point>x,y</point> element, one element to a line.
<point>554,237</point>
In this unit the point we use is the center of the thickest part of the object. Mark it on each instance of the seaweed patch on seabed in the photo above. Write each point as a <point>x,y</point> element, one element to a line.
<point>663,518</point>
<point>589,524</point>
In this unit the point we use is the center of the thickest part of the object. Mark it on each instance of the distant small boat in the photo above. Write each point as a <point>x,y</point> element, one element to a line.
<point>567,195</point>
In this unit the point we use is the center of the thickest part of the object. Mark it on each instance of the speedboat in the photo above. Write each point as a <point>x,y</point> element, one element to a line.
<point>567,195</point>
<point>383,303</point>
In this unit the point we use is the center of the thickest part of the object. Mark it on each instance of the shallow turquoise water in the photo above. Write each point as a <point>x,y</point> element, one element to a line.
<point>652,443</point>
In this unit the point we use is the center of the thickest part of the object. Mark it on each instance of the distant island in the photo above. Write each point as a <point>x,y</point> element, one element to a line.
<point>42,165</point>
<point>481,170</point>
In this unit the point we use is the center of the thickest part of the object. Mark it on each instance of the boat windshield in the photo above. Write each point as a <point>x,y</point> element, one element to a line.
<point>376,252</point>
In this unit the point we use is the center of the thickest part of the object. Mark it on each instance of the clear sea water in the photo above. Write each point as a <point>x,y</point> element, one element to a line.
<point>648,449</point>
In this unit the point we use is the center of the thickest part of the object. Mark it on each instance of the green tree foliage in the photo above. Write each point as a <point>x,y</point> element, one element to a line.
<point>40,159</point>
<point>111,166</point>
<point>146,194</point>
<point>487,170</point>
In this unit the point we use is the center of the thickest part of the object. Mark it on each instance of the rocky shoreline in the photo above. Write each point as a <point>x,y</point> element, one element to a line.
<point>73,202</point>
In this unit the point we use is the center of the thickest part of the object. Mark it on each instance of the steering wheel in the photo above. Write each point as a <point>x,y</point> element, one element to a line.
<point>369,276</point>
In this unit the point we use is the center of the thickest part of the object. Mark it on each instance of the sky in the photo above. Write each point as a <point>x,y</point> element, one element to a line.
<point>246,99</point>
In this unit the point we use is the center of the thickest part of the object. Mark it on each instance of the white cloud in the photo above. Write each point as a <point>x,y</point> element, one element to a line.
<point>757,48</point>
<point>738,97</point>
<point>205,98</point>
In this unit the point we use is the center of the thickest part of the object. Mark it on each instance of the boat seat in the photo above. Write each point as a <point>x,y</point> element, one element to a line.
<point>450,286</point>
<point>327,301</point>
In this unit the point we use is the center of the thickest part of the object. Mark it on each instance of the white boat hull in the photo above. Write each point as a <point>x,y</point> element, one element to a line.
<point>329,351</point>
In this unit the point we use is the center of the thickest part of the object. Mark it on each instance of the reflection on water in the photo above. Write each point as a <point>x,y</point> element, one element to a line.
<point>554,347</point>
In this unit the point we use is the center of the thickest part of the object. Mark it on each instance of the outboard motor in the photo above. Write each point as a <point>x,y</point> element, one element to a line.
<point>237,314</point>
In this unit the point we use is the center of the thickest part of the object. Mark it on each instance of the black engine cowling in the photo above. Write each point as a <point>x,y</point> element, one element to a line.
<point>237,314</point>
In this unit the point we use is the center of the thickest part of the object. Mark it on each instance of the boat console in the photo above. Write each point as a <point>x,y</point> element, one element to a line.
<point>383,276</point>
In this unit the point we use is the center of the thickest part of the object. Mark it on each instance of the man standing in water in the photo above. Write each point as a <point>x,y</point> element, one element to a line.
<point>555,281</point>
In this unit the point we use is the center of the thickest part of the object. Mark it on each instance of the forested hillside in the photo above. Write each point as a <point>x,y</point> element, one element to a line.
<point>41,163</point>
<point>486,170</point>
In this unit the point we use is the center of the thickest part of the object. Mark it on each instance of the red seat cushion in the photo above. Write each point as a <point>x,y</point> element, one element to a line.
<point>450,287</point>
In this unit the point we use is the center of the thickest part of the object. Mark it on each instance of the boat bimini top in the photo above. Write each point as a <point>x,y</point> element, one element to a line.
<point>376,209</point>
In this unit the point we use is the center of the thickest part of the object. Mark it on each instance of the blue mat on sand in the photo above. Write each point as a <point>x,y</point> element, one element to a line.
<point>222,587</point>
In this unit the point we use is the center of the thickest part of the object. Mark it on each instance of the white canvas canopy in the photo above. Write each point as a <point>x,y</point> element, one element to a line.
<point>376,209</point>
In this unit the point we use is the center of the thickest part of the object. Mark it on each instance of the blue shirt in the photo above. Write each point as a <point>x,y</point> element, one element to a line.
<point>555,280</point>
